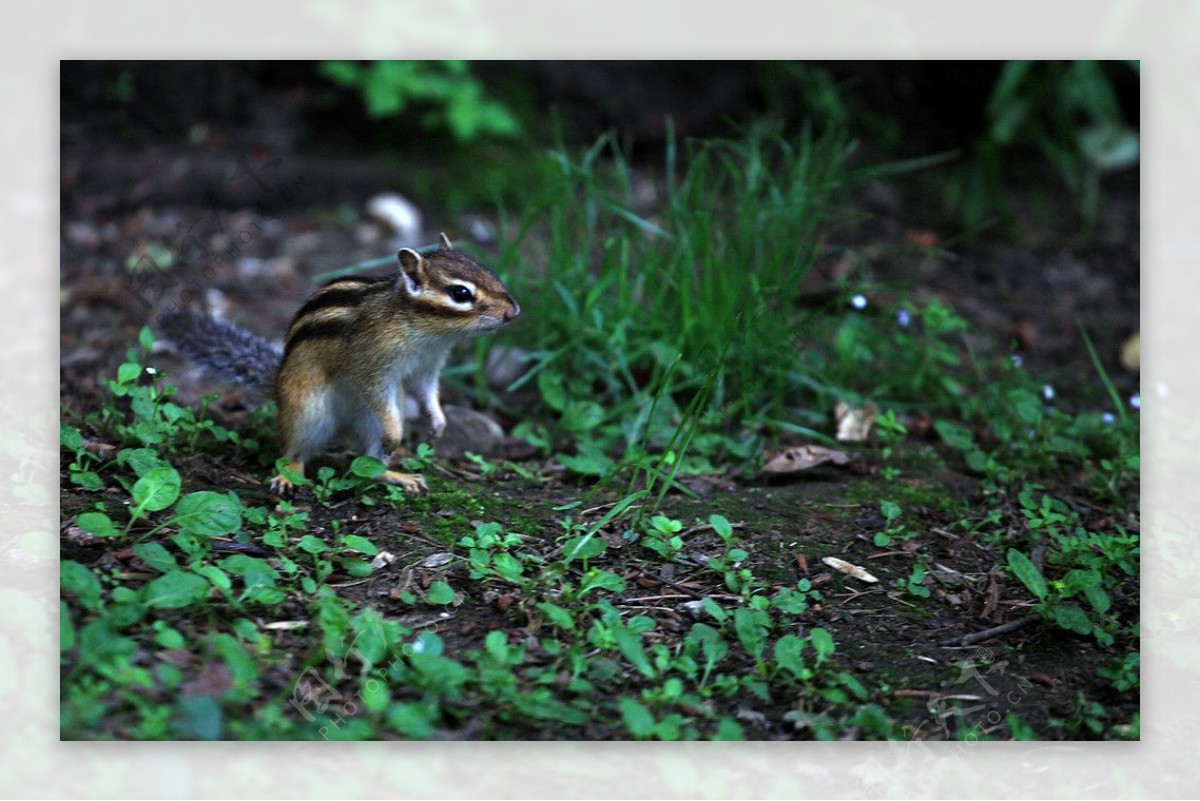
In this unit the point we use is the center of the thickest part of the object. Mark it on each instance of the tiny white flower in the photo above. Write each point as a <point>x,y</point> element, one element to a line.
<point>1135,400</point>
<point>859,302</point>
<point>1048,392</point>
<point>903,318</point>
<point>1108,417</point>
<point>1017,360</point>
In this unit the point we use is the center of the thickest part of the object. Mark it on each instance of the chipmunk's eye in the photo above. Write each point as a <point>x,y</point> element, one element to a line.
<point>460,294</point>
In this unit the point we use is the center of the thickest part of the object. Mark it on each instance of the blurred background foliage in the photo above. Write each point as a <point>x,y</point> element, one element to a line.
<point>1061,125</point>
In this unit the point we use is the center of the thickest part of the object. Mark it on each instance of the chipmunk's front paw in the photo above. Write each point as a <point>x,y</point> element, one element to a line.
<point>413,483</point>
<point>282,487</point>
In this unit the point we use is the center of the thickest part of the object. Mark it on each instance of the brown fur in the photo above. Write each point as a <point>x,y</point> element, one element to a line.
<point>365,333</point>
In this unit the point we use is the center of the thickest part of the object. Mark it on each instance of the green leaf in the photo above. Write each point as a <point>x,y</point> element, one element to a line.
<point>822,642</point>
<point>540,704</point>
<point>630,646</point>
<point>209,514</point>
<point>140,460</point>
<point>1098,598</point>
<point>593,463</point>
<point>789,651</point>
<point>99,642</point>
<point>374,694</point>
<point>310,544</point>
<point>86,479</point>
<point>955,435</point>
<point>557,615</point>
<point>156,490</point>
<point>241,663</point>
<point>254,572</point>
<point>168,637</point>
<point>714,609</point>
<point>508,567</point>
<point>751,627</point>
<point>128,372</point>
<point>728,729</point>
<point>789,601</point>
<point>440,592</point>
<point>581,417</point>
<point>69,437</point>
<point>1024,569</point>
<point>383,99</point>
<point>216,576</point>
<point>175,590</point>
<point>553,389</point>
<point>1072,618</point>
<point>346,73</point>
<point>722,527</point>
<point>156,556</point>
<point>601,580</point>
<point>853,685</point>
<point>367,467</point>
<point>708,640</point>
<point>637,719</point>
<point>588,547</point>
<point>75,579</point>
<point>496,644</point>
<point>412,720</point>
<point>97,524</point>
<point>370,636</point>
<point>890,510</point>
<point>66,628</point>
<point>146,338</point>
<point>360,544</point>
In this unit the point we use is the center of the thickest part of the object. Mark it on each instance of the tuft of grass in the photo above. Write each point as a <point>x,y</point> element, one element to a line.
<point>652,289</point>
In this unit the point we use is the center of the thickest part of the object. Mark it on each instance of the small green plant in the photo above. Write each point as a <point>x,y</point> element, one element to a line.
<point>1090,565</point>
<point>432,94</point>
<point>156,420</point>
<point>893,529</point>
<point>662,536</point>
<point>1124,673</point>
<point>914,584</point>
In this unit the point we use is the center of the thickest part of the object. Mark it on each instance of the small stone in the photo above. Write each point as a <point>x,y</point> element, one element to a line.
<point>469,430</point>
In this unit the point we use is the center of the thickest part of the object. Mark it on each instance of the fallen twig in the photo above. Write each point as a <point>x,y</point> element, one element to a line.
<point>994,631</point>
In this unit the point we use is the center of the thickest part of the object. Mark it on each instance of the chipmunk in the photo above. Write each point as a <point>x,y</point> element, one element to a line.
<point>353,349</point>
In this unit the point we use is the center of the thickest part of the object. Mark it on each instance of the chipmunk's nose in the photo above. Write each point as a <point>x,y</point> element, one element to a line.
<point>512,311</point>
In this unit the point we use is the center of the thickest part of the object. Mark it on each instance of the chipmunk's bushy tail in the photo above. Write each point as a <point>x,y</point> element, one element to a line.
<point>223,348</point>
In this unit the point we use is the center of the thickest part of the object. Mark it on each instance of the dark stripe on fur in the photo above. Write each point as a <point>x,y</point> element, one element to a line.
<point>322,330</point>
<point>347,297</point>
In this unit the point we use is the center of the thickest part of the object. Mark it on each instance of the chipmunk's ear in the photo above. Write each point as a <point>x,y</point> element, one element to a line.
<point>446,242</point>
<point>412,270</point>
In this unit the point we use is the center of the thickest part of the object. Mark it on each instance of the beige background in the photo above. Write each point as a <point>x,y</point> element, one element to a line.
<point>1165,35</point>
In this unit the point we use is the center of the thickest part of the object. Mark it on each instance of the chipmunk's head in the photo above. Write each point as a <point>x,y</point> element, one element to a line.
<point>450,285</point>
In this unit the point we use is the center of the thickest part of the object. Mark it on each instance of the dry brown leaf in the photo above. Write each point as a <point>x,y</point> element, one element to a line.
<point>1131,353</point>
<point>854,424</point>
<point>921,237</point>
<point>285,625</point>
<point>804,457</point>
<point>382,559</point>
<point>437,559</point>
<point>849,569</point>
